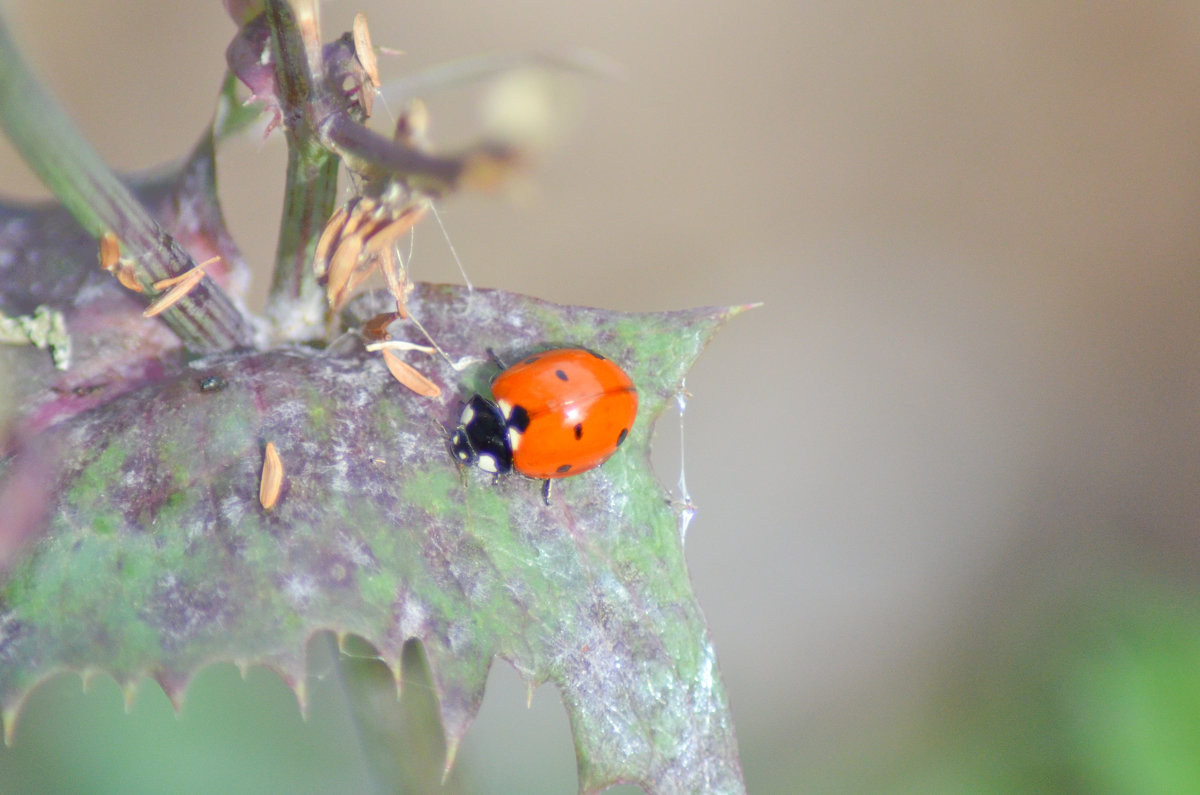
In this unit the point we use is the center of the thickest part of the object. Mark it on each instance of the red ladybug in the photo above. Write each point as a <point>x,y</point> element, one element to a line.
<point>555,414</point>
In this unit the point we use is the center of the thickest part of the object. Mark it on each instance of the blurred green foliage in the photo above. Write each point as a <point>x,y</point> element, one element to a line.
<point>1097,692</point>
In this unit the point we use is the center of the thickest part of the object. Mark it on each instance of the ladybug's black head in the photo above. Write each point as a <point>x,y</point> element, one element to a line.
<point>482,437</point>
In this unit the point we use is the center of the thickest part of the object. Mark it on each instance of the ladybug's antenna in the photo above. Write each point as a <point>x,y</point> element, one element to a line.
<point>496,359</point>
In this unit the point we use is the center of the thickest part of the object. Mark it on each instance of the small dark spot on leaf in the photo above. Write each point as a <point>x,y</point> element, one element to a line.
<point>213,383</point>
<point>578,431</point>
<point>87,389</point>
<point>602,613</point>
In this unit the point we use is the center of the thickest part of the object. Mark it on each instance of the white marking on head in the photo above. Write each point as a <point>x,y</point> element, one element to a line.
<point>505,408</point>
<point>487,462</point>
<point>514,439</point>
<point>467,415</point>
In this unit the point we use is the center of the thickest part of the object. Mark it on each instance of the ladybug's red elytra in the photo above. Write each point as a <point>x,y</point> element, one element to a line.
<point>554,414</point>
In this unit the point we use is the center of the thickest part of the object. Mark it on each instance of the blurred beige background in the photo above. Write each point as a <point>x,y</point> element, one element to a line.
<point>975,230</point>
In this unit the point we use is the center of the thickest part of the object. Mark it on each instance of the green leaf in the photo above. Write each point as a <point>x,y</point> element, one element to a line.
<point>154,556</point>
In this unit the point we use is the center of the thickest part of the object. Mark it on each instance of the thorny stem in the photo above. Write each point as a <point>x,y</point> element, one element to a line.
<point>293,73</point>
<point>308,203</point>
<point>324,127</point>
<point>311,174</point>
<point>205,320</point>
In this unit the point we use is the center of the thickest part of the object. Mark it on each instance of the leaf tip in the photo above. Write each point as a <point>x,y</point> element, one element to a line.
<point>300,689</point>
<point>129,690</point>
<point>394,665</point>
<point>452,744</point>
<point>173,687</point>
<point>292,672</point>
<point>86,677</point>
<point>8,718</point>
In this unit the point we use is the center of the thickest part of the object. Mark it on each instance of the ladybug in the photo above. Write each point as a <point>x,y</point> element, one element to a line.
<point>554,414</point>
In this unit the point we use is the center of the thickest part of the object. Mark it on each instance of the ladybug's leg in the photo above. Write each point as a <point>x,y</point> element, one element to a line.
<point>546,491</point>
<point>499,362</point>
<point>458,464</point>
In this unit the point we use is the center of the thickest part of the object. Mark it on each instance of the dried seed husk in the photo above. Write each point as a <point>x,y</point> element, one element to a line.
<point>180,286</point>
<point>406,374</point>
<point>329,236</point>
<point>110,251</point>
<point>363,49</point>
<point>272,477</point>
<point>341,269</point>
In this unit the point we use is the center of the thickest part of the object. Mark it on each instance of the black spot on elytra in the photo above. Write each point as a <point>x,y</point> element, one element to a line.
<point>561,375</point>
<point>598,356</point>
<point>578,431</point>
<point>518,418</point>
<point>531,360</point>
<point>621,437</point>
<point>564,469</point>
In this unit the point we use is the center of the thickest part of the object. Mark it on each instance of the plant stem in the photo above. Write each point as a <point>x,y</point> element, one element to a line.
<point>308,202</point>
<point>205,320</point>
<point>311,176</point>
<point>293,68</point>
<point>401,742</point>
<point>324,129</point>
<point>365,150</point>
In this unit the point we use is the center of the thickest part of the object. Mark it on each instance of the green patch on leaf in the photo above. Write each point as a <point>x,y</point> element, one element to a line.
<point>157,558</point>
